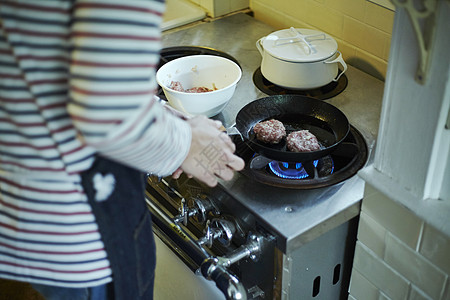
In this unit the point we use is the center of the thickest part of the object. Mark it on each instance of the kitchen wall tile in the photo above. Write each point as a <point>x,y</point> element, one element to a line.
<point>324,18</point>
<point>387,49</point>
<point>346,49</point>
<point>365,37</point>
<point>271,17</point>
<point>371,234</point>
<point>361,288</point>
<point>296,9</point>
<point>352,8</point>
<point>353,31</point>
<point>383,297</point>
<point>446,295</point>
<point>381,275</point>
<point>369,190</point>
<point>435,246</point>
<point>416,294</point>
<point>236,5</point>
<point>266,14</point>
<point>369,63</point>
<point>222,7</point>
<point>275,18</point>
<point>375,42</point>
<point>379,17</point>
<point>208,5</point>
<point>394,217</point>
<point>407,262</point>
<point>288,9</point>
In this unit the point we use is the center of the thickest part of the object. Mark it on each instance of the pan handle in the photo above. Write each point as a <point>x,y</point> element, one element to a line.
<point>340,60</point>
<point>232,130</point>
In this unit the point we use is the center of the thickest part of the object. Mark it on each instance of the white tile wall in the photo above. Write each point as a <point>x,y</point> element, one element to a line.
<point>435,246</point>
<point>372,234</point>
<point>379,273</point>
<point>417,294</point>
<point>447,291</point>
<point>414,267</point>
<point>394,217</point>
<point>398,255</point>
<point>361,288</point>
<point>383,297</point>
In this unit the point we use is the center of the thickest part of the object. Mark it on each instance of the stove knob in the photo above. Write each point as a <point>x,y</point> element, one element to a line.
<point>201,207</point>
<point>226,228</point>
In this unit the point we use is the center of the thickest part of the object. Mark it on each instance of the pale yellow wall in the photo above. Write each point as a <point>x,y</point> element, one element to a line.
<point>217,8</point>
<point>361,28</point>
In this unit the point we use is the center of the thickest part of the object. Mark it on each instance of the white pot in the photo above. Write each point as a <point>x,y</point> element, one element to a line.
<point>300,58</point>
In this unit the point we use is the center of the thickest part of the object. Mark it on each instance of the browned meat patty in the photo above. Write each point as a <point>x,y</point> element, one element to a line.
<point>302,141</point>
<point>176,85</point>
<point>270,131</point>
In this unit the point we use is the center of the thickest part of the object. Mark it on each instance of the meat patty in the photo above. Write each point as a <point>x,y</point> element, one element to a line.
<point>270,131</point>
<point>302,141</point>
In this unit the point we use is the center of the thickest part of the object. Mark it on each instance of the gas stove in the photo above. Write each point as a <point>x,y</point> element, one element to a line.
<point>250,234</point>
<point>331,169</point>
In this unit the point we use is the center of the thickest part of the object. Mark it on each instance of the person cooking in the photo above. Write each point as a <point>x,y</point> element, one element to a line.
<point>79,127</point>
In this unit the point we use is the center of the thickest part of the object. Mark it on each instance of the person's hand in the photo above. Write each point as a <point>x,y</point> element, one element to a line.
<point>211,153</point>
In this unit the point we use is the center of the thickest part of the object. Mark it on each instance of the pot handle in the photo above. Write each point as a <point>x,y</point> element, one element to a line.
<point>259,45</point>
<point>340,60</point>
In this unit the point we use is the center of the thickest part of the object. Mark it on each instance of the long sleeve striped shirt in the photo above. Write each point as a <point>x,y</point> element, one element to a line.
<point>77,78</point>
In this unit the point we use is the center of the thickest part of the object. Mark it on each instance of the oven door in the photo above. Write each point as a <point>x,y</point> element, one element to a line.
<point>175,280</point>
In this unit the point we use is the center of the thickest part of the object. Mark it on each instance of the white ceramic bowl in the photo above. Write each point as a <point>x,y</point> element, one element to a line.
<point>200,71</point>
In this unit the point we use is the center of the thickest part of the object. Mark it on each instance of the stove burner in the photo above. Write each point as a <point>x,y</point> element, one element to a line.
<point>289,170</point>
<point>341,164</point>
<point>330,90</point>
<point>171,53</point>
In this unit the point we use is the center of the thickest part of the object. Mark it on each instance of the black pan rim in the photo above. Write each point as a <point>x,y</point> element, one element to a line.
<point>265,149</point>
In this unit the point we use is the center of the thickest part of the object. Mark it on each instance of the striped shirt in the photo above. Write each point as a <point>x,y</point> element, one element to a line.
<point>77,78</point>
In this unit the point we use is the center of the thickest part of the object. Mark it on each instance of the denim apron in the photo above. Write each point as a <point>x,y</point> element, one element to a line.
<point>116,195</point>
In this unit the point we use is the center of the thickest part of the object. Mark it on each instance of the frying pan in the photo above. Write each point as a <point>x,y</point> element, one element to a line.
<point>297,112</point>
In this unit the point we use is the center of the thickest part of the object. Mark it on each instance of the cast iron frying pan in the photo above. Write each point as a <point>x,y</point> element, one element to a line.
<point>297,112</point>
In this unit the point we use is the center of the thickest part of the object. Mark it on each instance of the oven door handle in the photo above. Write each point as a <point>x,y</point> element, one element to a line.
<point>215,268</point>
<point>227,282</point>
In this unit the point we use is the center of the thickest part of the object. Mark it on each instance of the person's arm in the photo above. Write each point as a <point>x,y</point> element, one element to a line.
<point>112,83</point>
<point>112,69</point>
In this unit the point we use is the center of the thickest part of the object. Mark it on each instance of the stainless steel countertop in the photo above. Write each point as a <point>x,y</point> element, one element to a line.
<point>294,216</point>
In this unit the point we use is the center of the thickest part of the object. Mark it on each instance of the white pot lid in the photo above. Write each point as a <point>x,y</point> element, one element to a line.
<point>300,45</point>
